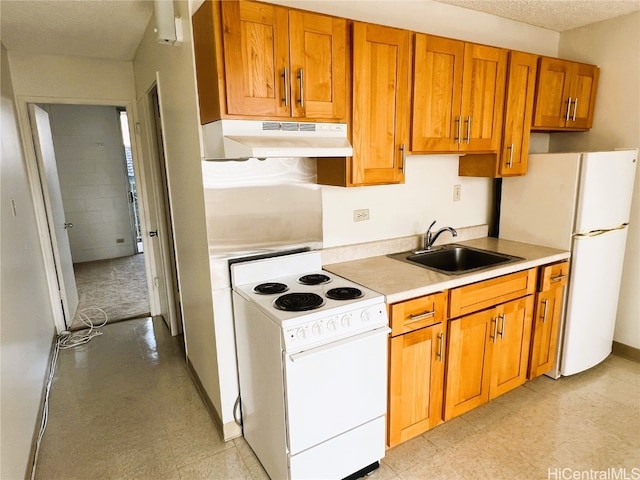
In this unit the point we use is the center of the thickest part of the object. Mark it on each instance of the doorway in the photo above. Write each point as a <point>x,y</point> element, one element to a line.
<point>86,164</point>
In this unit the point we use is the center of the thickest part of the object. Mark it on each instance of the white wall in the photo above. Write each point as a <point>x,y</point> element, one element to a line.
<point>179,111</point>
<point>93,178</point>
<point>26,319</point>
<point>613,45</point>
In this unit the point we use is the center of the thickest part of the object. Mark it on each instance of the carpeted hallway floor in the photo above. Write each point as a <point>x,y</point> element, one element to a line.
<point>117,285</point>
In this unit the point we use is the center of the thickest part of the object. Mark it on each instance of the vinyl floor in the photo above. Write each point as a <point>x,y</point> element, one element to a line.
<point>124,407</point>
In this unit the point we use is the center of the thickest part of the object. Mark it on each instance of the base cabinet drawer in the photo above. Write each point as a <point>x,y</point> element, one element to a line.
<point>478,296</point>
<point>418,313</point>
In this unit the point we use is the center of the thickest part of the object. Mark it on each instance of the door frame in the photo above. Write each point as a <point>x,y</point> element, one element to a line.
<point>165,273</point>
<point>37,194</point>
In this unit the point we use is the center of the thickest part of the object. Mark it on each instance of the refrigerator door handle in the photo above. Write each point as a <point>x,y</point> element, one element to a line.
<point>595,233</point>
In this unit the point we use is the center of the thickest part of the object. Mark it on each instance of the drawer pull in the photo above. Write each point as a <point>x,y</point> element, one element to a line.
<point>421,316</point>
<point>558,278</point>
<point>494,322</point>
<point>504,325</point>
<point>440,344</point>
<point>544,313</point>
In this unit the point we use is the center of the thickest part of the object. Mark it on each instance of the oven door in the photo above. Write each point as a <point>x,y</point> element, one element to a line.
<point>334,388</point>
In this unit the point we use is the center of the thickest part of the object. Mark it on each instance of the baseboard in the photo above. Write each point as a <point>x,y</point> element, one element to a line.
<point>626,351</point>
<point>34,440</point>
<point>228,430</point>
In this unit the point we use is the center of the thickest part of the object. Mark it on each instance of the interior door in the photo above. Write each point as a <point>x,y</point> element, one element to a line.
<point>58,226</point>
<point>156,238</point>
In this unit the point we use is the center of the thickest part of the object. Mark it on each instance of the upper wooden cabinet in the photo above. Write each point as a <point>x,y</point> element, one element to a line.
<point>262,60</point>
<point>512,156</point>
<point>565,96</point>
<point>380,111</point>
<point>458,96</point>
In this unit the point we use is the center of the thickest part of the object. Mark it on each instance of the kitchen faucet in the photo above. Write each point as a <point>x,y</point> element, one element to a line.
<point>429,238</point>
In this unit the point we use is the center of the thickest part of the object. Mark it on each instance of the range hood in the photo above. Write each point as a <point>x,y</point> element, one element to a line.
<point>242,139</point>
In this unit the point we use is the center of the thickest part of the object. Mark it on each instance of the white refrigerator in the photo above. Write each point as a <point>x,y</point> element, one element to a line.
<point>579,202</point>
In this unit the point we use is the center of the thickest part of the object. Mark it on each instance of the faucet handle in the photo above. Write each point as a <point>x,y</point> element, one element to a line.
<point>431,226</point>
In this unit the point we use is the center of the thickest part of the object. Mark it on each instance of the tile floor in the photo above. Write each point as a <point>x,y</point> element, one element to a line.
<point>124,407</point>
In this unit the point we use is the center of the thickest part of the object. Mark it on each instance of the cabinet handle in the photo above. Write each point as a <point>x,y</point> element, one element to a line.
<point>468,122</point>
<point>575,108</point>
<point>285,76</point>
<point>403,156</point>
<point>457,138</point>
<point>421,316</point>
<point>440,344</point>
<point>558,278</point>
<point>510,162</point>
<point>544,312</point>
<point>494,322</point>
<point>504,324</point>
<point>301,78</point>
<point>568,110</point>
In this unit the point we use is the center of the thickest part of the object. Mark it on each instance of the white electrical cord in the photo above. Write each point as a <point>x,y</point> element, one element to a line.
<point>65,341</point>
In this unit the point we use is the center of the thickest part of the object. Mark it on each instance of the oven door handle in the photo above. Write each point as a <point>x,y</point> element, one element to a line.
<point>295,357</point>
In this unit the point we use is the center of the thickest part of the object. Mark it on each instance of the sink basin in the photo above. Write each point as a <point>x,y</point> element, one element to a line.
<point>455,259</point>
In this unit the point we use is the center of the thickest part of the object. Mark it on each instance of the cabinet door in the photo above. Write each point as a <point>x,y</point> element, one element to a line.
<point>437,94</point>
<point>318,65</point>
<point>521,84</point>
<point>552,106</point>
<point>415,382</point>
<point>511,345</point>
<point>583,93</point>
<point>545,335</point>
<point>483,89</point>
<point>380,103</point>
<point>256,57</point>
<point>469,357</point>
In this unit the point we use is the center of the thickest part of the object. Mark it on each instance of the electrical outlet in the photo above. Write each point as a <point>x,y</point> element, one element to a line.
<point>361,215</point>
<point>457,191</point>
<point>119,240</point>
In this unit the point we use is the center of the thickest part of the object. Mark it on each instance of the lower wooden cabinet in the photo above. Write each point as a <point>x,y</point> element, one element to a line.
<point>487,355</point>
<point>547,318</point>
<point>415,382</point>
<point>416,366</point>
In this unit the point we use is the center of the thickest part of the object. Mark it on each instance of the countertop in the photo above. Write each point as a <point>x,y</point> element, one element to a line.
<point>398,280</point>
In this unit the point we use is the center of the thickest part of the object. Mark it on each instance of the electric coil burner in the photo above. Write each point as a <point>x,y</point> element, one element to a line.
<point>298,302</point>
<point>344,293</point>
<point>314,279</point>
<point>270,288</point>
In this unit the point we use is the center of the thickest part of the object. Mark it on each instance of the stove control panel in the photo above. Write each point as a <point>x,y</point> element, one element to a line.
<point>326,329</point>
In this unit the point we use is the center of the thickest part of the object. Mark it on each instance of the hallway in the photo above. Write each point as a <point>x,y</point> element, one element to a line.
<point>116,285</point>
<point>124,406</point>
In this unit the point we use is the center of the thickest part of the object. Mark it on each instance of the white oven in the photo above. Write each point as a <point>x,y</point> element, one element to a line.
<point>313,374</point>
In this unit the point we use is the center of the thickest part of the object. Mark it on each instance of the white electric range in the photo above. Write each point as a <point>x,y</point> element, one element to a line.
<point>312,362</point>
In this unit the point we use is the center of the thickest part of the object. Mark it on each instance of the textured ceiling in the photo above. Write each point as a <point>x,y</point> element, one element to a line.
<point>557,15</point>
<point>113,29</point>
<point>91,28</point>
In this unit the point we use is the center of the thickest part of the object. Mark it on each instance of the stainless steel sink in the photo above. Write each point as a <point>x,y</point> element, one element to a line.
<point>455,259</point>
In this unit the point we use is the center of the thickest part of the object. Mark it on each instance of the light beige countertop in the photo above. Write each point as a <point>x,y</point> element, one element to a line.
<point>399,280</point>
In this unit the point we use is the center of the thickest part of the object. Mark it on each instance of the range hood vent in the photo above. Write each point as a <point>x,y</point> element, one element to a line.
<point>243,139</point>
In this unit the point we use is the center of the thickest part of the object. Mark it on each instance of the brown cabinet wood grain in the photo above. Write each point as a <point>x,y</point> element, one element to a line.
<point>512,156</point>
<point>262,60</point>
<point>547,318</point>
<point>416,377</point>
<point>458,96</point>
<point>565,95</point>
<point>380,120</point>
<point>488,355</point>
